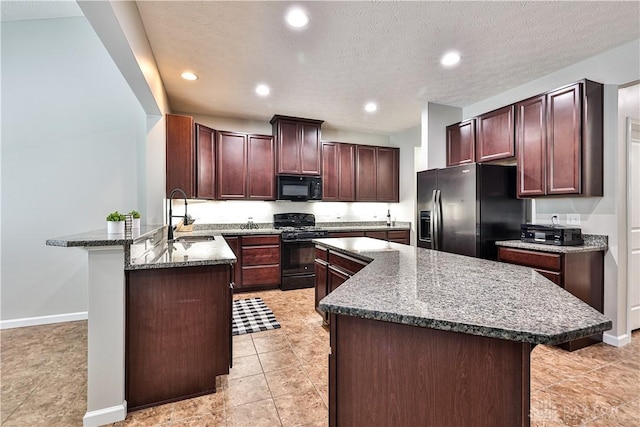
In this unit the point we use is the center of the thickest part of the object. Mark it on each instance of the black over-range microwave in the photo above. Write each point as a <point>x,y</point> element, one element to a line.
<point>299,188</point>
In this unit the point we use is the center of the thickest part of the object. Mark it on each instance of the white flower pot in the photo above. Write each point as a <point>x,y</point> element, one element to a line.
<point>135,223</point>
<point>115,227</point>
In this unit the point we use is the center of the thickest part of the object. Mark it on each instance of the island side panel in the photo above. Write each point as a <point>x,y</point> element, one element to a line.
<point>178,329</point>
<point>384,374</point>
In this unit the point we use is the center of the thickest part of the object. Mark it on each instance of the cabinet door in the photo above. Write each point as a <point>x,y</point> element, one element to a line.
<point>531,142</point>
<point>205,162</point>
<point>320,268</point>
<point>232,165</point>
<point>399,236</point>
<point>310,149</point>
<point>330,168</point>
<point>366,173</point>
<point>234,244</point>
<point>381,235</point>
<point>288,138</point>
<point>461,143</point>
<point>180,154</point>
<point>346,172</point>
<point>387,174</point>
<point>495,135</point>
<point>261,168</point>
<point>564,140</point>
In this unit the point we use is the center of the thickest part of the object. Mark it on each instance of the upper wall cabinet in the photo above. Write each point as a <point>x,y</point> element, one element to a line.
<point>298,145</point>
<point>377,174</point>
<point>461,143</point>
<point>338,172</point>
<point>495,135</point>
<point>180,154</point>
<point>560,142</point>
<point>261,183</point>
<point>245,166</point>
<point>205,162</point>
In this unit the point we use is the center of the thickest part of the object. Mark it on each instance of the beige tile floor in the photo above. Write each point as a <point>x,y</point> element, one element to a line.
<point>279,378</point>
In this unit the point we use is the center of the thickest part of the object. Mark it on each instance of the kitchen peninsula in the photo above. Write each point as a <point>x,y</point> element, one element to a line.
<point>146,293</point>
<point>420,337</point>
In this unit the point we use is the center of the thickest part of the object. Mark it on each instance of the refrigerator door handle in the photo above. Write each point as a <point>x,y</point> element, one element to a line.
<point>434,220</point>
<point>439,213</point>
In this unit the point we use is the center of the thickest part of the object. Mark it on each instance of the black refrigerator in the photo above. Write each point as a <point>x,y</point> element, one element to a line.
<point>465,209</point>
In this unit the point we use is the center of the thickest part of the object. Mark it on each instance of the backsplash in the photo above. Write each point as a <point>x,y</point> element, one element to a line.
<point>239,212</point>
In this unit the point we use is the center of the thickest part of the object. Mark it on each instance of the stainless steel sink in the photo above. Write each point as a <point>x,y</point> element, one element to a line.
<point>193,239</point>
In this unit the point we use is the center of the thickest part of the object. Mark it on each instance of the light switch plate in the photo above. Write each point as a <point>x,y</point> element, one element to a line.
<point>573,219</point>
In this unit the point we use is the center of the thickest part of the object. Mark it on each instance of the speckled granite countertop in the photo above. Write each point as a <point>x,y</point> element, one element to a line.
<point>438,290</point>
<point>102,238</point>
<point>592,243</point>
<point>182,254</point>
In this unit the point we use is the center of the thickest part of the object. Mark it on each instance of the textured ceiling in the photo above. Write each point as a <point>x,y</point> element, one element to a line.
<point>38,9</point>
<point>353,52</point>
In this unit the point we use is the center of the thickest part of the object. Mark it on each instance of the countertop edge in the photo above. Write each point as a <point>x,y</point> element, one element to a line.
<point>517,244</point>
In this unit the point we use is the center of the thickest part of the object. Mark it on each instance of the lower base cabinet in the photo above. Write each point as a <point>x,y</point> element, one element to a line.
<point>395,236</point>
<point>580,273</point>
<point>332,269</point>
<point>258,261</point>
<point>178,333</point>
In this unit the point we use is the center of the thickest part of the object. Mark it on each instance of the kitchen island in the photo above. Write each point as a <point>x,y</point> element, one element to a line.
<point>141,291</point>
<point>420,337</point>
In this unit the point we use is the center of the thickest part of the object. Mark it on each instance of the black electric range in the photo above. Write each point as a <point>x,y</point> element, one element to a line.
<point>297,250</point>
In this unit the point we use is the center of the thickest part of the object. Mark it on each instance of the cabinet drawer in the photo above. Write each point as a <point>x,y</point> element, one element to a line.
<point>322,254</point>
<point>260,255</point>
<point>345,263</point>
<point>398,234</point>
<point>261,275</point>
<point>382,235</point>
<point>541,260</point>
<point>555,277</point>
<point>260,240</point>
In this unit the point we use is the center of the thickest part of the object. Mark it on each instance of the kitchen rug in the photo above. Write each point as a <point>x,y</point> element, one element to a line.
<point>252,315</point>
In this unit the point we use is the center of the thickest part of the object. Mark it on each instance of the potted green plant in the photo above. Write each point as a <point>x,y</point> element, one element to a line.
<point>135,216</point>
<point>115,223</point>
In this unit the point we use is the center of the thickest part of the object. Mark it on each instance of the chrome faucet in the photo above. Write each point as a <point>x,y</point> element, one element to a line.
<point>186,218</point>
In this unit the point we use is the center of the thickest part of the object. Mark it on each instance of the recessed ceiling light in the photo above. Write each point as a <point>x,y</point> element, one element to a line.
<point>188,75</point>
<point>297,18</point>
<point>450,59</point>
<point>263,90</point>
<point>370,107</point>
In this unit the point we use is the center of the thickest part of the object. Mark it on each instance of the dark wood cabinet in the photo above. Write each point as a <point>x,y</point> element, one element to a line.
<point>205,162</point>
<point>560,142</point>
<point>495,135</point>
<point>366,173</point>
<point>260,262</point>
<point>395,236</point>
<point>261,168</point>
<point>382,235</point>
<point>581,274</point>
<point>461,143</point>
<point>532,146</point>
<point>399,236</point>
<point>332,269</point>
<point>346,234</point>
<point>298,145</point>
<point>387,174</point>
<point>338,172</point>
<point>234,244</point>
<point>178,333</point>
<point>180,154</point>
<point>232,165</point>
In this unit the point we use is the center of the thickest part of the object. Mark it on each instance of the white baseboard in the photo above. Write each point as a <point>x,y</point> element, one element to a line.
<point>617,341</point>
<point>43,320</point>
<point>110,415</point>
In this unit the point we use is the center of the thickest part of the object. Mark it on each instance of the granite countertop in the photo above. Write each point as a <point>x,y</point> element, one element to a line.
<point>102,238</point>
<point>267,228</point>
<point>182,253</point>
<point>592,243</point>
<point>425,288</point>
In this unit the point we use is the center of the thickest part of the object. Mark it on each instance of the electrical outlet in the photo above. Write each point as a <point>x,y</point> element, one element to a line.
<point>556,218</point>
<point>573,219</point>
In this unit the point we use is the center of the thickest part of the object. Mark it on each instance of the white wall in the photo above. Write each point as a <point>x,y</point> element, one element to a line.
<point>438,118</point>
<point>599,215</point>
<point>71,132</point>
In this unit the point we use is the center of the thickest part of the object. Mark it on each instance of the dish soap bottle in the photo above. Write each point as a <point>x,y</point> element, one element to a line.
<point>388,218</point>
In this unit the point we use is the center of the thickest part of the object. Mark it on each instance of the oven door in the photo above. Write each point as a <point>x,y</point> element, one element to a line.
<point>297,264</point>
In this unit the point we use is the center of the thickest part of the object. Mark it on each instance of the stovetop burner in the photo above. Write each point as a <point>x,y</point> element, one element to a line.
<point>297,226</point>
